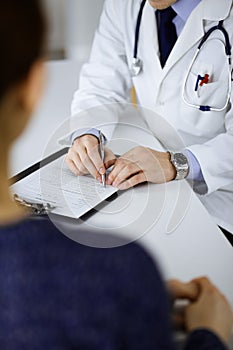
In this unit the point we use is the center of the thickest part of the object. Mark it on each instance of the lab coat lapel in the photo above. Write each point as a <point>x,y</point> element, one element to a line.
<point>187,39</point>
<point>210,10</point>
<point>148,51</point>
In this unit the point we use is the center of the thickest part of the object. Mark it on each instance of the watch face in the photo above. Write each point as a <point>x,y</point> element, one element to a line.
<point>180,159</point>
<point>180,162</point>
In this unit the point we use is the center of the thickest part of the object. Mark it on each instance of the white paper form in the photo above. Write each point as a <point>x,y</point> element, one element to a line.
<point>54,184</point>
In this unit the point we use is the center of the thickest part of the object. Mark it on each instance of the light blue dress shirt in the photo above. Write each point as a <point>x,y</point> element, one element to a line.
<point>183,8</point>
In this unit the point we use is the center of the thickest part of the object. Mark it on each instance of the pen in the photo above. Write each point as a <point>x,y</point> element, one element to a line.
<point>101,145</point>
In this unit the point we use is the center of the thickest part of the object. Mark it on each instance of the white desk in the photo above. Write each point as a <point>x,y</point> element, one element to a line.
<point>170,222</point>
<point>194,247</point>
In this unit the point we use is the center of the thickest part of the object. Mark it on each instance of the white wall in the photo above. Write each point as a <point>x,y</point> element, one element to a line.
<point>71,26</point>
<point>82,17</point>
<point>55,10</point>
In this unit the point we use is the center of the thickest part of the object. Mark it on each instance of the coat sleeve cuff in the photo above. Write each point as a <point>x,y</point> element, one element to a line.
<point>195,172</point>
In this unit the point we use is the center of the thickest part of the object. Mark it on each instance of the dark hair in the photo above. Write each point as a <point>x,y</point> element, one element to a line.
<point>22,31</point>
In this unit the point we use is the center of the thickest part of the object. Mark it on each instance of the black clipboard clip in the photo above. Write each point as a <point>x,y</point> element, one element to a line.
<point>37,209</point>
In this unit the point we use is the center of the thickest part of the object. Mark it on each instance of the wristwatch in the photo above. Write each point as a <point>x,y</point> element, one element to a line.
<point>180,162</point>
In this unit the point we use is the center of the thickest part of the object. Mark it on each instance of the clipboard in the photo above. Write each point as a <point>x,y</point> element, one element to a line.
<point>42,207</point>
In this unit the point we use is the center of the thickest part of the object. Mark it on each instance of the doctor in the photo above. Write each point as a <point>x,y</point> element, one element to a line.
<point>154,45</point>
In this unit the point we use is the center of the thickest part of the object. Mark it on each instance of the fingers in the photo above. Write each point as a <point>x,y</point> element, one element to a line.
<point>74,163</point>
<point>125,172</point>
<point>109,163</point>
<point>94,159</point>
<point>109,159</point>
<point>181,293</point>
<point>191,290</point>
<point>83,157</point>
<point>88,164</point>
<point>138,165</point>
<point>202,281</point>
<point>207,289</point>
<point>133,181</point>
<point>88,150</point>
<point>211,310</point>
<point>120,172</point>
<point>204,285</point>
<point>71,166</point>
<point>178,321</point>
<point>207,307</point>
<point>180,290</point>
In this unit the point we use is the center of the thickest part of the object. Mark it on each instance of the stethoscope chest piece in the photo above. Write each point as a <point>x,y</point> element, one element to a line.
<point>136,67</point>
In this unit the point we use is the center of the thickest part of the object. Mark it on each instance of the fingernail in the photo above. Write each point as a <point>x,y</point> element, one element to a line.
<point>121,187</point>
<point>102,171</point>
<point>114,184</point>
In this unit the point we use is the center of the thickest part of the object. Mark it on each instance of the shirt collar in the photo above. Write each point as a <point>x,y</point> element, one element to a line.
<point>183,8</point>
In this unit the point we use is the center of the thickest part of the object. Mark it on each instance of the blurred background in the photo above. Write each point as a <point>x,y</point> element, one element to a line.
<point>71,27</point>
<point>72,24</point>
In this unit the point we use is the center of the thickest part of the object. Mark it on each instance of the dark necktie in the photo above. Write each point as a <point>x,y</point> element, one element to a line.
<point>166,32</point>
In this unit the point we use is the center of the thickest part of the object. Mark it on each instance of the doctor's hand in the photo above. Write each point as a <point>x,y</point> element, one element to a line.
<point>141,164</point>
<point>84,157</point>
<point>207,308</point>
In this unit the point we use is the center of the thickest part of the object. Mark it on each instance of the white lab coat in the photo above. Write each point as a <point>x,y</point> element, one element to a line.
<point>209,135</point>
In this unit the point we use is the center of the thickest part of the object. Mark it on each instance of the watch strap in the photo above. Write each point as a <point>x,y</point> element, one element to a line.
<point>180,162</point>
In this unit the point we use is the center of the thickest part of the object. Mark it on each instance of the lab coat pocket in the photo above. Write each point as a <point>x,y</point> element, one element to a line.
<point>212,92</point>
<point>213,95</point>
<point>204,88</point>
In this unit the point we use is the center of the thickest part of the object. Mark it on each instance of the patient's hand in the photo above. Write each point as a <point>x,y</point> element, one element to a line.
<point>207,307</point>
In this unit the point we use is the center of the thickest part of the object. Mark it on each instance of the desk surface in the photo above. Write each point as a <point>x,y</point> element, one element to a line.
<point>168,220</point>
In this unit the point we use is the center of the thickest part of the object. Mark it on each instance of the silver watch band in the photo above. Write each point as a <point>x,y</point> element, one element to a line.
<point>180,162</point>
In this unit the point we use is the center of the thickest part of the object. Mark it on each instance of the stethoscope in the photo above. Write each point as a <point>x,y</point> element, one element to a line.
<point>137,64</point>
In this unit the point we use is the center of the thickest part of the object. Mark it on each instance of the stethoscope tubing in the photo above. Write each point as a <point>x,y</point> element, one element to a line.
<point>137,30</point>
